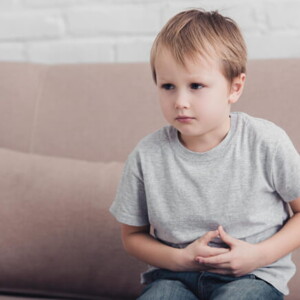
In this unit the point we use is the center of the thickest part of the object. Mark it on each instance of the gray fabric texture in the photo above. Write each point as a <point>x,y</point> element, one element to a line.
<point>243,184</point>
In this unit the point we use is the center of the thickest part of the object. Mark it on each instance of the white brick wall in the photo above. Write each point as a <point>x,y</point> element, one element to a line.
<point>70,31</point>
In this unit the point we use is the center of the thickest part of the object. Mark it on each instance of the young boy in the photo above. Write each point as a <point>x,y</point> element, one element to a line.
<point>213,185</point>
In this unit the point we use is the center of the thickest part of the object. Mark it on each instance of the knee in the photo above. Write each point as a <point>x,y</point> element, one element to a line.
<point>161,289</point>
<point>247,289</point>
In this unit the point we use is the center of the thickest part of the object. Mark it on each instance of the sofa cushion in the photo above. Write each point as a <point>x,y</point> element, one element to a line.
<point>57,236</point>
<point>294,283</point>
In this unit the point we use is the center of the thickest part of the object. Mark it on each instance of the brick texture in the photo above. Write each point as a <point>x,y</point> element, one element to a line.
<point>74,31</point>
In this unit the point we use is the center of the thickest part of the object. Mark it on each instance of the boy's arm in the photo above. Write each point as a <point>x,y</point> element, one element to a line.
<point>139,243</point>
<point>244,257</point>
<point>286,240</point>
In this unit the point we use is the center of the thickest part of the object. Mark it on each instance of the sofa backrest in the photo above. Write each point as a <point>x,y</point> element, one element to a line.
<point>79,123</point>
<point>100,111</point>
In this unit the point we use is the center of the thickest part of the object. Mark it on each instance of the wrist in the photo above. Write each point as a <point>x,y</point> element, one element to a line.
<point>263,255</point>
<point>178,260</point>
<point>185,261</point>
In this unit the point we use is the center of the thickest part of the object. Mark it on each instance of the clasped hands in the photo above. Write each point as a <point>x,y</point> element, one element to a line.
<point>241,258</point>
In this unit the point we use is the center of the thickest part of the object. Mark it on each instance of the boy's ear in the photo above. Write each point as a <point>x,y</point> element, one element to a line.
<point>237,87</point>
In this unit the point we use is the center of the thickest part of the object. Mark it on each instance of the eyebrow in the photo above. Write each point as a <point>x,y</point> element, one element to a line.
<point>195,77</point>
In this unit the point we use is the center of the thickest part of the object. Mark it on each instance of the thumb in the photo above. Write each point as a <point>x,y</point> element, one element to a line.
<point>229,240</point>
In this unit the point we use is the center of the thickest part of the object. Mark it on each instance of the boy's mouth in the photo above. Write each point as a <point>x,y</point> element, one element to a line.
<point>184,119</point>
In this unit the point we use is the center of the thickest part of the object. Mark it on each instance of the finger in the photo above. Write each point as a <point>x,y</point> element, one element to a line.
<point>212,251</point>
<point>207,237</point>
<point>229,240</point>
<point>225,266</point>
<point>215,260</point>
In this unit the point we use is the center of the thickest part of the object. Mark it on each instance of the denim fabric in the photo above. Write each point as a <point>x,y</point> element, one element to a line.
<point>165,284</point>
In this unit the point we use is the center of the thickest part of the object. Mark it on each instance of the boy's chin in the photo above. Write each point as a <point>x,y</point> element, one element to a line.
<point>188,132</point>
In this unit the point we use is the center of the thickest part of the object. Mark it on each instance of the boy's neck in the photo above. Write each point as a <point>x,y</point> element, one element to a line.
<point>209,140</point>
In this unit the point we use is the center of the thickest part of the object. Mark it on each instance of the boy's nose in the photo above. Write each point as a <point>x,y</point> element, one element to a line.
<point>181,101</point>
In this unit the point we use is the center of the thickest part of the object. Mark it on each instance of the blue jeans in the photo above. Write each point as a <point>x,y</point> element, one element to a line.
<point>165,284</point>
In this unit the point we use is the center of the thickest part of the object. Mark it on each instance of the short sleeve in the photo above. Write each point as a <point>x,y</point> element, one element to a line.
<point>286,169</point>
<point>130,205</point>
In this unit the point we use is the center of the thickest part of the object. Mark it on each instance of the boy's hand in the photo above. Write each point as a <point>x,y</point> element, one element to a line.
<point>242,258</point>
<point>200,248</point>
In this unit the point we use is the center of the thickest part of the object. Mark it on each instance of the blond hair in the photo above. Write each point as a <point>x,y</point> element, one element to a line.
<point>209,34</point>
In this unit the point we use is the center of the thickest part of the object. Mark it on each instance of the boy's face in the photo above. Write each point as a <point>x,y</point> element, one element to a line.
<point>196,99</point>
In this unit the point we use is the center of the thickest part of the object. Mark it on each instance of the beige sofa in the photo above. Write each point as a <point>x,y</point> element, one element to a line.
<point>65,132</point>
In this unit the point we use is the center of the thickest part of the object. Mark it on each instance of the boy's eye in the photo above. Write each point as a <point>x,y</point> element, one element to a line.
<point>196,86</point>
<point>168,86</point>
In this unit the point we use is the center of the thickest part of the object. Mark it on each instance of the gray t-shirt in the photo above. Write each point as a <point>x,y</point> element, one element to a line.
<point>243,184</point>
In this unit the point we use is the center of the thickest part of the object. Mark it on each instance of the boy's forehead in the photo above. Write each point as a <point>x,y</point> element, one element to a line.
<point>193,65</point>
